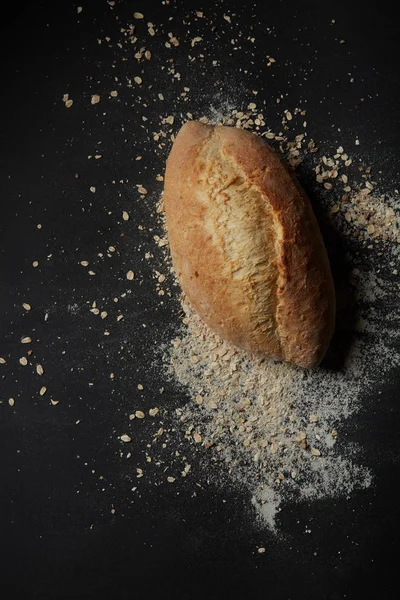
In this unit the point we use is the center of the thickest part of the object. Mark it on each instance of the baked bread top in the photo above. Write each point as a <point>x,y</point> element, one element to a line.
<point>246,246</point>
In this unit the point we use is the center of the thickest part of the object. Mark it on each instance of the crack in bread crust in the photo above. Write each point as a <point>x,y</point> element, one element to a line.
<point>241,222</point>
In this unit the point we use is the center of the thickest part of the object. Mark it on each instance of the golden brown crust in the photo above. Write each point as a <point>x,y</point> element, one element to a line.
<point>246,245</point>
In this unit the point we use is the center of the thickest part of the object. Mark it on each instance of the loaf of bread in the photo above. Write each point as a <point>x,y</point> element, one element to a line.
<point>246,245</point>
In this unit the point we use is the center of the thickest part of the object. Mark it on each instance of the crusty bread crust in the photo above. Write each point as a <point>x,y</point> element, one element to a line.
<point>246,245</point>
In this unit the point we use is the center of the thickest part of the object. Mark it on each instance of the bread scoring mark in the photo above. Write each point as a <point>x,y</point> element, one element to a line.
<point>242,225</point>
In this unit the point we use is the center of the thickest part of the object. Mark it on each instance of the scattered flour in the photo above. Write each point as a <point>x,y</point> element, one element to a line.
<point>276,429</point>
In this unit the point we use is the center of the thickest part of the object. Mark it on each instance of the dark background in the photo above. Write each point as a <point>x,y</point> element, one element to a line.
<point>61,480</point>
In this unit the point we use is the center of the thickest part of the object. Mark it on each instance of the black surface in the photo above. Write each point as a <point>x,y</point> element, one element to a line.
<point>59,538</point>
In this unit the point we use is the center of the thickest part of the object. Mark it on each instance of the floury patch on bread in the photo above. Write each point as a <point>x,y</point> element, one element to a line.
<point>246,246</point>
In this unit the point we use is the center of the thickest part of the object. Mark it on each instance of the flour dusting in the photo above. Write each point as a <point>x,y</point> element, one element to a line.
<point>276,429</point>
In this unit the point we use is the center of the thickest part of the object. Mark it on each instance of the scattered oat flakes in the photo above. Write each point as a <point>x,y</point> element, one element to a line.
<point>126,438</point>
<point>153,411</point>
<point>138,80</point>
<point>114,93</point>
<point>95,99</point>
<point>2,361</point>
<point>43,390</point>
<point>138,15</point>
<point>26,306</point>
<point>92,189</point>
<point>23,361</point>
<point>11,401</point>
<point>35,263</point>
<point>54,402</point>
<point>186,470</point>
<point>170,479</point>
<point>125,215</point>
<point>196,40</point>
<point>197,437</point>
<point>139,414</point>
<point>84,263</point>
<point>26,340</point>
<point>130,275</point>
<point>39,369</point>
<point>69,103</point>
